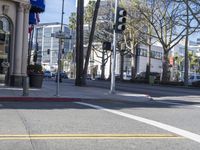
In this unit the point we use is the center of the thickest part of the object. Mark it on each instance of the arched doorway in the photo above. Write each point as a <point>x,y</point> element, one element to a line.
<point>5,44</point>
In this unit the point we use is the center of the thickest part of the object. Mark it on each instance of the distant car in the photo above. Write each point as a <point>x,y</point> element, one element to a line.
<point>193,78</point>
<point>53,74</point>
<point>127,77</point>
<point>196,83</point>
<point>89,77</point>
<point>47,74</point>
<point>142,75</point>
<point>63,75</point>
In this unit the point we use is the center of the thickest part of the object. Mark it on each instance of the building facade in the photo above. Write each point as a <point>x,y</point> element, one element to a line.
<point>47,47</point>
<point>14,23</point>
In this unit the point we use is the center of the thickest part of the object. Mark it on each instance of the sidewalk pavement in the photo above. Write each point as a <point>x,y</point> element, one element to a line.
<point>68,92</point>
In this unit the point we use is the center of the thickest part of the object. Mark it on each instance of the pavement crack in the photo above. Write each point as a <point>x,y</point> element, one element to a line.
<point>24,122</point>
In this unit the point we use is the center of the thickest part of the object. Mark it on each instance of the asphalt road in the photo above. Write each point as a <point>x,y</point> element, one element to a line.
<point>98,125</point>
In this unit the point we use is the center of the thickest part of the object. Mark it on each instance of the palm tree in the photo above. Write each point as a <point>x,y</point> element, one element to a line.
<point>91,37</point>
<point>72,21</point>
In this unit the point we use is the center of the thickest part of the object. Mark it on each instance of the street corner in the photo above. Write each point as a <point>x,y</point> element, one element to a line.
<point>131,97</point>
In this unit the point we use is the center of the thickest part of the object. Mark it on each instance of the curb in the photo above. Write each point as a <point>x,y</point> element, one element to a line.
<point>38,99</point>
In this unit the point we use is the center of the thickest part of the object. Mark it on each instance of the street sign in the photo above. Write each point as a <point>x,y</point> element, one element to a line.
<point>61,35</point>
<point>5,64</point>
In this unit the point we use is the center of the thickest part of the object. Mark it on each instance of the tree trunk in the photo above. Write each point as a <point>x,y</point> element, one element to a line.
<point>103,65</point>
<point>110,69</point>
<point>79,43</point>
<point>148,67</point>
<point>186,50</point>
<point>90,41</point>
<point>165,73</point>
<point>133,62</point>
<point>121,65</point>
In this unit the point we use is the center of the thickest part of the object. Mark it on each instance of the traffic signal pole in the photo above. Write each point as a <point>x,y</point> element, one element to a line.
<point>59,54</point>
<point>112,85</point>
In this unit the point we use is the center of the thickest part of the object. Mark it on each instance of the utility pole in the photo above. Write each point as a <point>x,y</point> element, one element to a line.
<point>79,42</point>
<point>59,53</point>
<point>112,85</point>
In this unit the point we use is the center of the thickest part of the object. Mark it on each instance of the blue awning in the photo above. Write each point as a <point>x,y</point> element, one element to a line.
<point>37,6</point>
<point>32,19</point>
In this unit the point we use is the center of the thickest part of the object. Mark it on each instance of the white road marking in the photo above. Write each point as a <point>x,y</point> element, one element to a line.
<point>180,104</point>
<point>181,132</point>
<point>171,103</point>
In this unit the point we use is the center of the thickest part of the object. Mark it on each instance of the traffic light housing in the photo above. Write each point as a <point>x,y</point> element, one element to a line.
<point>48,51</point>
<point>120,20</point>
<point>63,51</point>
<point>107,46</point>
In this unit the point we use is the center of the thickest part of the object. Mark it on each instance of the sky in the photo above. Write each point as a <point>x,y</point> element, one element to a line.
<point>54,8</point>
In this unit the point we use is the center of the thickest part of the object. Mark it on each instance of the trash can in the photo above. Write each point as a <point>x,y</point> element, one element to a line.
<point>151,80</point>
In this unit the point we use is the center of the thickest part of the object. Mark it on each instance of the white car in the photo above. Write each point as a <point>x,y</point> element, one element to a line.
<point>194,78</point>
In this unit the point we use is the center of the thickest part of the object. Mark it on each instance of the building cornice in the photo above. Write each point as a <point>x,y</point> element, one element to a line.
<point>21,1</point>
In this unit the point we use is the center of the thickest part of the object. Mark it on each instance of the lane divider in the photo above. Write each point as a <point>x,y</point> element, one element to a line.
<point>88,136</point>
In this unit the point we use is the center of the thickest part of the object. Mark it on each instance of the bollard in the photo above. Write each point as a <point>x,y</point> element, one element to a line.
<point>25,86</point>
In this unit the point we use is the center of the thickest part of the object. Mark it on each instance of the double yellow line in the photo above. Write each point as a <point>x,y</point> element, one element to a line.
<point>87,136</point>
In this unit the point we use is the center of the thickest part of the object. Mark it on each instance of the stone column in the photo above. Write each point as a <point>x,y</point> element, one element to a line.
<point>25,41</point>
<point>17,76</point>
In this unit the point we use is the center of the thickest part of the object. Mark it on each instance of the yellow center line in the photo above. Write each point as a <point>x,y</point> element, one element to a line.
<point>86,136</point>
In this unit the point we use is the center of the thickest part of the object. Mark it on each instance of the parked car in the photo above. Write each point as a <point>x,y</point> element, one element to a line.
<point>193,78</point>
<point>142,75</point>
<point>196,83</point>
<point>89,77</point>
<point>63,75</point>
<point>47,74</point>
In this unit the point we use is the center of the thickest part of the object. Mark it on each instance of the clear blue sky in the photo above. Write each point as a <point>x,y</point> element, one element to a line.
<point>53,11</point>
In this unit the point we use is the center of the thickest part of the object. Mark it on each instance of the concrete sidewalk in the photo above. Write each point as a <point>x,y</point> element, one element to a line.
<point>68,92</point>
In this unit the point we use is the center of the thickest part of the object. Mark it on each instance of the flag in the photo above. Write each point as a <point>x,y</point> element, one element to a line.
<point>37,17</point>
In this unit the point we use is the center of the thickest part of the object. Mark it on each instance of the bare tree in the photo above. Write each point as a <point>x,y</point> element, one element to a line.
<point>169,24</point>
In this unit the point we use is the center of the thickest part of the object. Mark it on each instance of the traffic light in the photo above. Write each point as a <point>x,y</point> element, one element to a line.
<point>107,45</point>
<point>120,20</point>
<point>48,51</point>
<point>63,51</point>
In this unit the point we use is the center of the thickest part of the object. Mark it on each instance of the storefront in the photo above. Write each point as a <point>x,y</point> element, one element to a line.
<point>14,23</point>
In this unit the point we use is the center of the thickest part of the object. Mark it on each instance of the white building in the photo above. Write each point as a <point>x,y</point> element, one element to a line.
<point>47,46</point>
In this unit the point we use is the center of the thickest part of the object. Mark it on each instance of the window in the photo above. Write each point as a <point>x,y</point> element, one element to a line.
<point>198,77</point>
<point>156,55</point>
<point>192,77</point>
<point>142,52</point>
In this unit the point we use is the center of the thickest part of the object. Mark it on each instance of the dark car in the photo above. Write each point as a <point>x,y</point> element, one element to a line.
<point>47,74</point>
<point>89,77</point>
<point>63,75</point>
<point>142,75</point>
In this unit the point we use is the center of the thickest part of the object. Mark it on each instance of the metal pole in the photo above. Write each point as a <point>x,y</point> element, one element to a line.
<point>59,54</point>
<point>112,85</point>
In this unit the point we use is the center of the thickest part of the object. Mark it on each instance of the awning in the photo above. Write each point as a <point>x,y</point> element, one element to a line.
<point>37,6</point>
<point>32,19</point>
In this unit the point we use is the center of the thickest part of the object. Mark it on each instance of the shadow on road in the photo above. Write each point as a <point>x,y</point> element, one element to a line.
<point>110,104</point>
